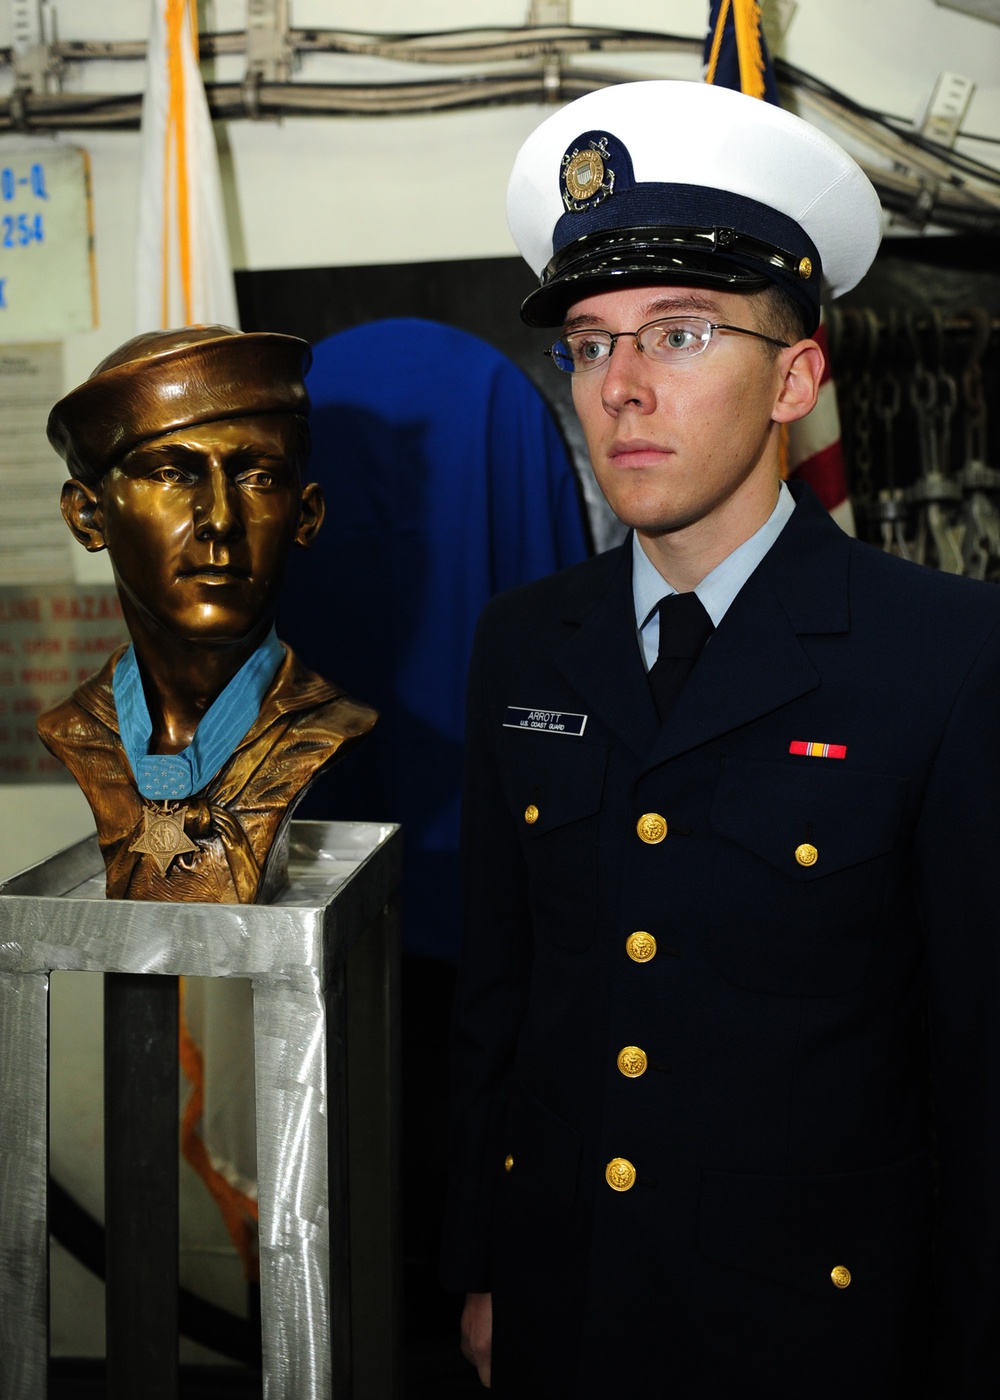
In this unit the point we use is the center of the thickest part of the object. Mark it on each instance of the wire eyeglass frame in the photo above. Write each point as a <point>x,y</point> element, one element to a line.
<point>656,349</point>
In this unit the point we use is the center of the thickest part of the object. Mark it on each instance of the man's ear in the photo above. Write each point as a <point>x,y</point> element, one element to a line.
<point>802,372</point>
<point>311,511</point>
<point>81,508</point>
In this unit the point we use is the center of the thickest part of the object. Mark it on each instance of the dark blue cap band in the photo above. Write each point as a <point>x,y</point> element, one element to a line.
<point>695,205</point>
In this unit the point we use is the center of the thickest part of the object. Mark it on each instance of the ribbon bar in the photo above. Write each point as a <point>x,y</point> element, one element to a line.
<point>811,749</point>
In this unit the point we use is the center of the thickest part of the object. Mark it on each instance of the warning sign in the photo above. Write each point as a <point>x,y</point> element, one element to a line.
<point>51,638</point>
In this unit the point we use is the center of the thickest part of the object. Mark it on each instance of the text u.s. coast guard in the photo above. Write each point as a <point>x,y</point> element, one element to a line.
<point>546,721</point>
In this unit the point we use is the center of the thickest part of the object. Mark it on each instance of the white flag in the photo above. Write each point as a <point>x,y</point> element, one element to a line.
<point>184,273</point>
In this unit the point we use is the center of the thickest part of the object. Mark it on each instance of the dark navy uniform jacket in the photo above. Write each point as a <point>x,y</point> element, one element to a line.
<point>815,1139</point>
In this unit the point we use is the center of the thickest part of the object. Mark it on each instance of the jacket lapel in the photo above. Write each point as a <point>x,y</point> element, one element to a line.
<point>601,658</point>
<point>755,662</point>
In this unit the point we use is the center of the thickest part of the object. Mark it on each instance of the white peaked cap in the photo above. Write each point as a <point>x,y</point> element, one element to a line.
<point>786,203</point>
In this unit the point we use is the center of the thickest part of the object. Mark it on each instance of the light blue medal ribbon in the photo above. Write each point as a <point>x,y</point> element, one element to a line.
<point>168,777</point>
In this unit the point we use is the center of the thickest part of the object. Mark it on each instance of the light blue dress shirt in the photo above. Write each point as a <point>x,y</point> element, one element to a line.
<point>716,590</point>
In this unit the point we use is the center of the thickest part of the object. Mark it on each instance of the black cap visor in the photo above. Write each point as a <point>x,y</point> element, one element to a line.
<point>713,257</point>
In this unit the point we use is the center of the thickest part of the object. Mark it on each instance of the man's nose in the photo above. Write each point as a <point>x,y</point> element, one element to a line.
<point>216,513</point>
<point>627,378</point>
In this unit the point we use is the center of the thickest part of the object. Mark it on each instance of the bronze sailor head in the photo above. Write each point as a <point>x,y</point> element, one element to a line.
<point>185,449</point>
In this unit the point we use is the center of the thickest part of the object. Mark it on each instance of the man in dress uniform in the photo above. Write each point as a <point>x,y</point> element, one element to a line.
<point>727,1049</point>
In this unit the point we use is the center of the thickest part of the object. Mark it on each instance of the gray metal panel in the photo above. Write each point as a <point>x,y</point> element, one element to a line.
<point>343,881</point>
<point>24,1244</point>
<point>289,1039</point>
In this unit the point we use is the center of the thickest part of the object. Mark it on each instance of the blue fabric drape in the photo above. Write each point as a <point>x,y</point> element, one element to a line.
<point>446,480</point>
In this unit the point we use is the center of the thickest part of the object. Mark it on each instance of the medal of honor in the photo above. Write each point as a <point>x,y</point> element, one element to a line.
<point>163,835</point>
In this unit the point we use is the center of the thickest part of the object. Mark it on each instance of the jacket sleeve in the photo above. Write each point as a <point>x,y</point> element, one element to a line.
<point>492,987</point>
<point>956,879</point>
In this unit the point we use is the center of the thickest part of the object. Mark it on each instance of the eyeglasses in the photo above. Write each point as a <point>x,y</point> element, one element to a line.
<point>669,342</point>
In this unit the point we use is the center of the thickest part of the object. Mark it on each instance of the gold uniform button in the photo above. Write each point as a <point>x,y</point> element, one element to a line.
<point>531,814</point>
<point>652,828</point>
<point>806,854</point>
<point>641,946</point>
<point>805,268</point>
<point>632,1061</point>
<point>841,1277</point>
<point>620,1174</point>
<point>508,1163</point>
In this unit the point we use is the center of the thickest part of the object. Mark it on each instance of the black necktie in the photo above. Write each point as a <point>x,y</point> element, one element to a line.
<point>685,627</point>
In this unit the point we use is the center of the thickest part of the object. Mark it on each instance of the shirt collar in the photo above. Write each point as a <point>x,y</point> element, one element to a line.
<point>718,589</point>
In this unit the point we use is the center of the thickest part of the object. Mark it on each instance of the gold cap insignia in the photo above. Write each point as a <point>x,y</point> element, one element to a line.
<point>584,175</point>
<point>587,179</point>
<point>805,269</point>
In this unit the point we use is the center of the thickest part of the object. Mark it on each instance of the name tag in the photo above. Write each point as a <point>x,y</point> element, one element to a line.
<point>544,721</point>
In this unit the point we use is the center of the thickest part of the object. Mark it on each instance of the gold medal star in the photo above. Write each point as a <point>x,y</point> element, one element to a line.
<point>163,835</point>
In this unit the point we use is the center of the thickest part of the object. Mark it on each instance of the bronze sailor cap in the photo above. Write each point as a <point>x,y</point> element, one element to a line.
<point>161,381</point>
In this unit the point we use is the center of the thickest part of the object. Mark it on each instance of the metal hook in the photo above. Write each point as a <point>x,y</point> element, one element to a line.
<point>937,339</point>
<point>980,327</point>
<point>923,384</point>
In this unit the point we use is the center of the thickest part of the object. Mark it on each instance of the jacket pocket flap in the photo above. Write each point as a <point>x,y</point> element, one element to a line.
<point>544,1146</point>
<point>831,1236</point>
<point>549,779</point>
<point>773,809</point>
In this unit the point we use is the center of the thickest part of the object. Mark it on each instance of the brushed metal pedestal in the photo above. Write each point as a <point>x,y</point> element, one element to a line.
<point>324,964</point>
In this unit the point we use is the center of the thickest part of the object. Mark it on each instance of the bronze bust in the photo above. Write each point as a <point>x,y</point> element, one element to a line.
<point>193,745</point>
